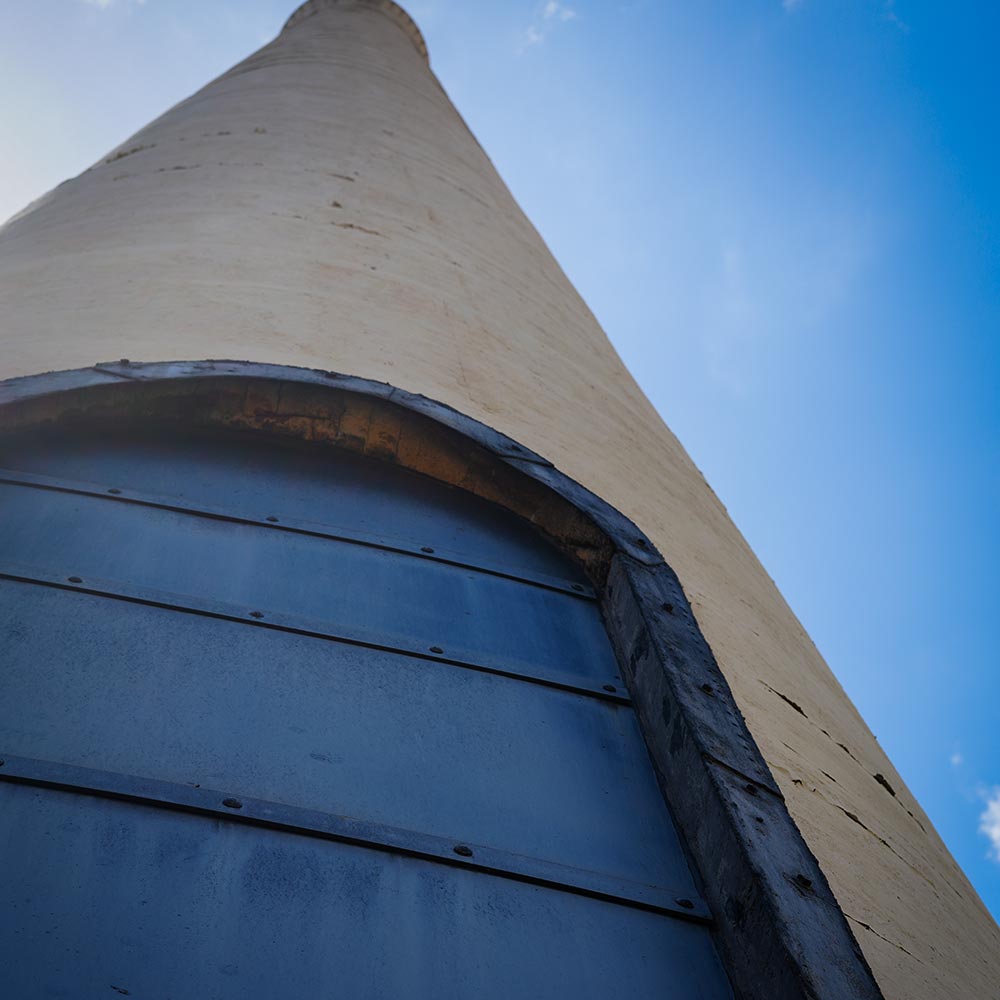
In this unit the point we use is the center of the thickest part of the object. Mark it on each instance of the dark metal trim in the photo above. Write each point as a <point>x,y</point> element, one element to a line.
<point>209,607</point>
<point>780,930</point>
<point>346,829</point>
<point>115,494</point>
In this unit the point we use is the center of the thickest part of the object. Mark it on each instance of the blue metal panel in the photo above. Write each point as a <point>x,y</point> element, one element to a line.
<point>218,804</point>
<point>252,761</point>
<point>107,896</point>
<point>285,523</point>
<point>329,726</point>
<point>467,614</point>
<point>255,478</point>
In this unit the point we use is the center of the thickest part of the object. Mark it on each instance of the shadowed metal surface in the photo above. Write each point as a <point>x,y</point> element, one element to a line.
<point>314,528</point>
<point>249,475</point>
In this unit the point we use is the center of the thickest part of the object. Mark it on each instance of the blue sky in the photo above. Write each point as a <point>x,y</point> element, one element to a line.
<point>785,215</point>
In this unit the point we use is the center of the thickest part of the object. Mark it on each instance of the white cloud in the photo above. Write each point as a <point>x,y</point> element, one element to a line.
<point>956,759</point>
<point>546,19</point>
<point>532,37</point>
<point>989,822</point>
<point>105,4</point>
<point>791,5</point>
<point>555,9</point>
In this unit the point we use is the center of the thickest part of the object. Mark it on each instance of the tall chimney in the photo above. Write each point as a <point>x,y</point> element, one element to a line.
<point>322,207</point>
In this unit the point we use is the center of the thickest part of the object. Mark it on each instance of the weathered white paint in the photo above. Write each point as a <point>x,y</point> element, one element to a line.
<point>323,204</point>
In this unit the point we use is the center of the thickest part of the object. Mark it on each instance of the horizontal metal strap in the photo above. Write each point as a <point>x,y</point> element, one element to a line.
<point>345,829</point>
<point>610,689</point>
<point>273,523</point>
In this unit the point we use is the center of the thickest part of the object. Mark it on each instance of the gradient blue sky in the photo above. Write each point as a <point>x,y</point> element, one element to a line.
<point>785,216</point>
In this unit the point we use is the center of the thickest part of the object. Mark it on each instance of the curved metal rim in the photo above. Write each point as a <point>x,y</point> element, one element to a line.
<point>780,929</point>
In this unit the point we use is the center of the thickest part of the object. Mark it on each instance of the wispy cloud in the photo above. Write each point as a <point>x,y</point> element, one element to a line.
<point>533,37</point>
<point>893,18</point>
<point>105,4</point>
<point>554,9</point>
<point>547,18</point>
<point>956,759</point>
<point>790,5</point>
<point>989,822</point>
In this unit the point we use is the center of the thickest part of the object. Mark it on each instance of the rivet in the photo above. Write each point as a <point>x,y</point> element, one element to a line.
<point>708,689</point>
<point>686,903</point>
<point>74,579</point>
<point>436,649</point>
<point>256,614</point>
<point>272,519</point>
<point>462,850</point>
<point>115,490</point>
<point>426,548</point>
<point>752,789</point>
<point>232,803</point>
<point>610,687</point>
<point>641,542</point>
<point>669,608</point>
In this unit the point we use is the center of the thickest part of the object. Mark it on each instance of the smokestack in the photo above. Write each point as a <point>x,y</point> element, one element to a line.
<point>322,207</point>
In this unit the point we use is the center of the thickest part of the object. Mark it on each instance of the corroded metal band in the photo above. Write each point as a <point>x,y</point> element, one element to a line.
<point>391,10</point>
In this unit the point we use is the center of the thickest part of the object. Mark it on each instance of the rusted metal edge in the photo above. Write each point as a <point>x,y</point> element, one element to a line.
<point>226,805</point>
<point>780,930</point>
